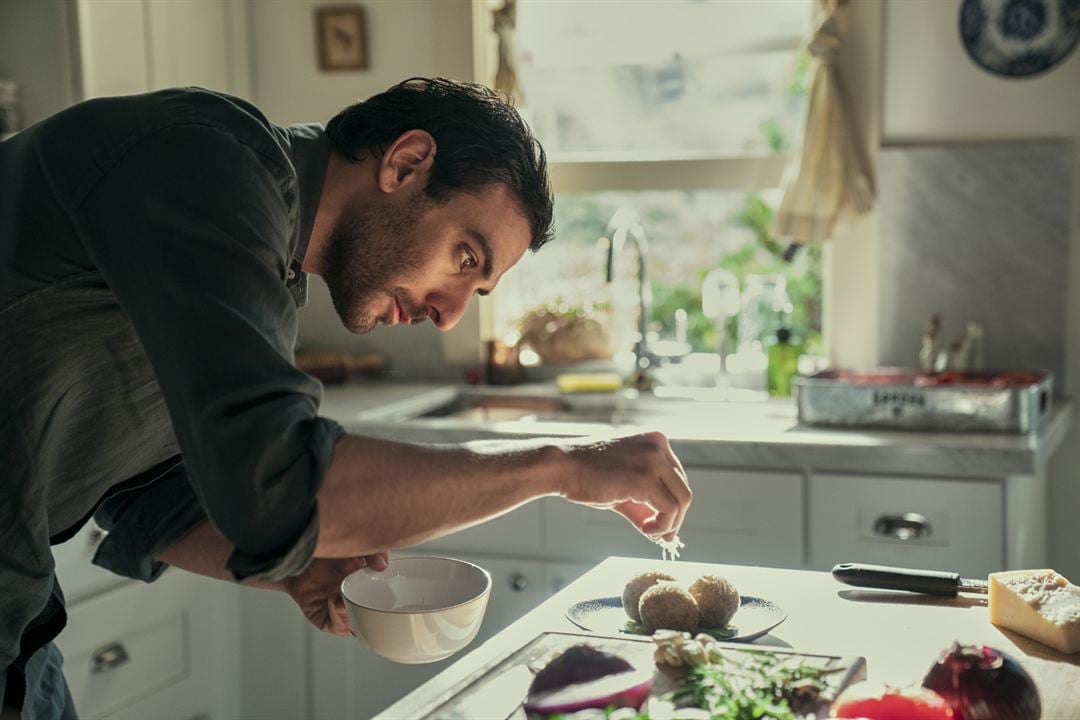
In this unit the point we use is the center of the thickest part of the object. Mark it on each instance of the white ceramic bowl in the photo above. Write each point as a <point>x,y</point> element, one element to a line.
<point>418,610</point>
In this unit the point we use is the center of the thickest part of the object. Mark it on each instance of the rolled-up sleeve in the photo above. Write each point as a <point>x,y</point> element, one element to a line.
<point>143,522</point>
<point>190,229</point>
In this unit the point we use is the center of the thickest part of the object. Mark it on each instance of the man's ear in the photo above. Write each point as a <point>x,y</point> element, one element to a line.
<point>407,161</point>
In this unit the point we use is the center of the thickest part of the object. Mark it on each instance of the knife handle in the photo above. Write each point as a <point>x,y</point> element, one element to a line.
<point>928,582</point>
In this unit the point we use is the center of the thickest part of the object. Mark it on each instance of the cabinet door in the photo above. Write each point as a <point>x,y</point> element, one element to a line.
<point>936,524</point>
<point>518,532</point>
<point>348,680</point>
<point>168,650</point>
<point>113,47</point>
<point>133,46</point>
<point>560,574</point>
<point>741,517</point>
<point>196,42</point>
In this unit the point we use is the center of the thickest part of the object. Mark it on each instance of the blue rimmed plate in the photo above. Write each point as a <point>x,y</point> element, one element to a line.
<point>1019,38</point>
<point>756,617</point>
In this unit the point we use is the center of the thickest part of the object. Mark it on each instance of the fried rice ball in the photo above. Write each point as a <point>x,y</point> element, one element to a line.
<point>634,589</point>
<point>666,606</point>
<point>717,600</point>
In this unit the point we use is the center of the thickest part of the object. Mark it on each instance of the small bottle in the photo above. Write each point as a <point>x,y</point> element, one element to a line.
<point>783,363</point>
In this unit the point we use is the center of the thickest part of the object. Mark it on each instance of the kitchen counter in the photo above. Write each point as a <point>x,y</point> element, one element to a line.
<point>752,435</point>
<point>899,634</point>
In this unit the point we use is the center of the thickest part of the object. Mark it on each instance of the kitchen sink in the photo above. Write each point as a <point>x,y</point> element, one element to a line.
<point>534,409</point>
<point>614,410</point>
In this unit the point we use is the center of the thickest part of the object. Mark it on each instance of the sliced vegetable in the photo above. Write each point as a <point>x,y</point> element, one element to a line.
<point>872,701</point>
<point>981,683</point>
<point>584,678</point>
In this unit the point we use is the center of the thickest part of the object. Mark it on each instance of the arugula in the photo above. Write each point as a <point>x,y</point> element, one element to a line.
<point>724,633</point>
<point>762,687</point>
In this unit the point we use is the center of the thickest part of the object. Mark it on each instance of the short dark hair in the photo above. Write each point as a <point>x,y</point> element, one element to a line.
<point>481,140</point>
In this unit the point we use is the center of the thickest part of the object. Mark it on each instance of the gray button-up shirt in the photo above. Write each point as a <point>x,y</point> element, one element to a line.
<point>150,252</point>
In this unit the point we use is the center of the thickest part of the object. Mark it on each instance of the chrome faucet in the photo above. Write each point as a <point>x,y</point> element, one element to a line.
<point>625,227</point>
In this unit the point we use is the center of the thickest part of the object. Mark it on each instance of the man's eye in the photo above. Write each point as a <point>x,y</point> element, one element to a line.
<point>468,260</point>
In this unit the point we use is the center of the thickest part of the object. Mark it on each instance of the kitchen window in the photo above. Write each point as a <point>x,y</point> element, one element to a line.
<point>684,111</point>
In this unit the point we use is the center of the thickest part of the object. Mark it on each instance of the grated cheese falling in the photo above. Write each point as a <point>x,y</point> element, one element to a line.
<point>669,549</point>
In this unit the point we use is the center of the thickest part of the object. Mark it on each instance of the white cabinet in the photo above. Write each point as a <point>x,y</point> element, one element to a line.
<point>155,651</point>
<point>933,523</point>
<point>132,46</point>
<point>517,533</point>
<point>79,578</point>
<point>742,517</point>
<point>560,574</point>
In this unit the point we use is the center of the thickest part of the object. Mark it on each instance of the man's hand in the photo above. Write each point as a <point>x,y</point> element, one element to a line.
<point>638,477</point>
<point>317,590</point>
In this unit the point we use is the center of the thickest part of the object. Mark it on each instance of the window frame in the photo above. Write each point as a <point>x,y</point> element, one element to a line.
<point>850,282</point>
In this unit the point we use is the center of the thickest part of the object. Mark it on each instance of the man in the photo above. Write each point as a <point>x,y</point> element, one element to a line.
<point>153,252</point>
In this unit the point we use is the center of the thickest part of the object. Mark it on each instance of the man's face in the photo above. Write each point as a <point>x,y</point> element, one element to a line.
<point>403,260</point>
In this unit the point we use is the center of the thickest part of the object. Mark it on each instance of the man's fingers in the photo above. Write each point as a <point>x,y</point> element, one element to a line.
<point>378,561</point>
<point>678,485</point>
<point>637,513</point>
<point>339,616</point>
<point>655,494</point>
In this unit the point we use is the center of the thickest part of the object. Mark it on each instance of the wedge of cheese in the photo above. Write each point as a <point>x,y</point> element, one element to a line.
<point>1040,604</point>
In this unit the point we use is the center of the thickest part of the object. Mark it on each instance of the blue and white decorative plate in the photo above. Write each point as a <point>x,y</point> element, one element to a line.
<point>1019,38</point>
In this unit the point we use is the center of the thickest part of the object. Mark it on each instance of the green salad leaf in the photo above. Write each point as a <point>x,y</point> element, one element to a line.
<point>725,633</point>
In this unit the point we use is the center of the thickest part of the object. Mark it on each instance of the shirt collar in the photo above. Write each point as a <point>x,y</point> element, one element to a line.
<point>309,150</point>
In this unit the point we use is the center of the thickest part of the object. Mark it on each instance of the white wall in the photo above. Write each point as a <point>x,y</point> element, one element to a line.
<point>405,38</point>
<point>934,92</point>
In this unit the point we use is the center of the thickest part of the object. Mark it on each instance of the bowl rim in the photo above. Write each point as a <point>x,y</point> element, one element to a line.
<point>487,587</point>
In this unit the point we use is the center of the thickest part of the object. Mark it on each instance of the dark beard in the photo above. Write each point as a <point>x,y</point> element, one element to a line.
<point>368,249</point>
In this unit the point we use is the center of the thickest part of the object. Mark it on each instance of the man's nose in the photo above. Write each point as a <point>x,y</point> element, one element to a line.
<point>448,310</point>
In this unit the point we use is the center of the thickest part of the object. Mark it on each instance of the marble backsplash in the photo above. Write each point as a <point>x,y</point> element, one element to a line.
<point>976,232</point>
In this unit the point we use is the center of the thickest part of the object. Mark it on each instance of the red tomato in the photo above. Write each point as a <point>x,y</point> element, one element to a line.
<point>871,701</point>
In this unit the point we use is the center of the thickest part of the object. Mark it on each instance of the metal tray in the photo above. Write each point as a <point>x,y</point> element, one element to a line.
<point>906,399</point>
<point>472,697</point>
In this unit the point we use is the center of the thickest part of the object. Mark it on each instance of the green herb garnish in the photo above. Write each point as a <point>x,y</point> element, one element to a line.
<point>762,687</point>
<point>724,633</point>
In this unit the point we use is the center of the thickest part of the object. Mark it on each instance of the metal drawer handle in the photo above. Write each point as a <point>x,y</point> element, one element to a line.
<point>909,526</point>
<point>518,582</point>
<point>109,658</point>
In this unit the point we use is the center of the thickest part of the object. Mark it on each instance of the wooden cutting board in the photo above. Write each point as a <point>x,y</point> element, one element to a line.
<point>481,694</point>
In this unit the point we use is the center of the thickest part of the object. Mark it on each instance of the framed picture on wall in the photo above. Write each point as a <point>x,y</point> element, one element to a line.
<point>341,38</point>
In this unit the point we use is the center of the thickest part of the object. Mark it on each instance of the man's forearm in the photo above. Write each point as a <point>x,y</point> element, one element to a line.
<point>204,551</point>
<point>380,495</point>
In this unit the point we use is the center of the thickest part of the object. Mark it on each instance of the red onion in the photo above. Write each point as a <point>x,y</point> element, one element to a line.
<point>583,678</point>
<point>981,683</point>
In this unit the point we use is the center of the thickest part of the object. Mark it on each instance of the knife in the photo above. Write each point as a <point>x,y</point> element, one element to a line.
<point>928,582</point>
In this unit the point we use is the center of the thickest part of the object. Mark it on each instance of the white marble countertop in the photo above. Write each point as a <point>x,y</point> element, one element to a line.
<point>716,434</point>
<point>899,634</point>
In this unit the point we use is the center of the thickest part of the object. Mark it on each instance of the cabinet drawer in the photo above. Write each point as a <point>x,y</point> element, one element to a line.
<point>168,650</point>
<point>936,524</point>
<point>741,517</point>
<point>127,666</point>
<point>128,651</point>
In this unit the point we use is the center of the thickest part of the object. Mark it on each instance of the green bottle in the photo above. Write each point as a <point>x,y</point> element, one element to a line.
<point>783,363</point>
